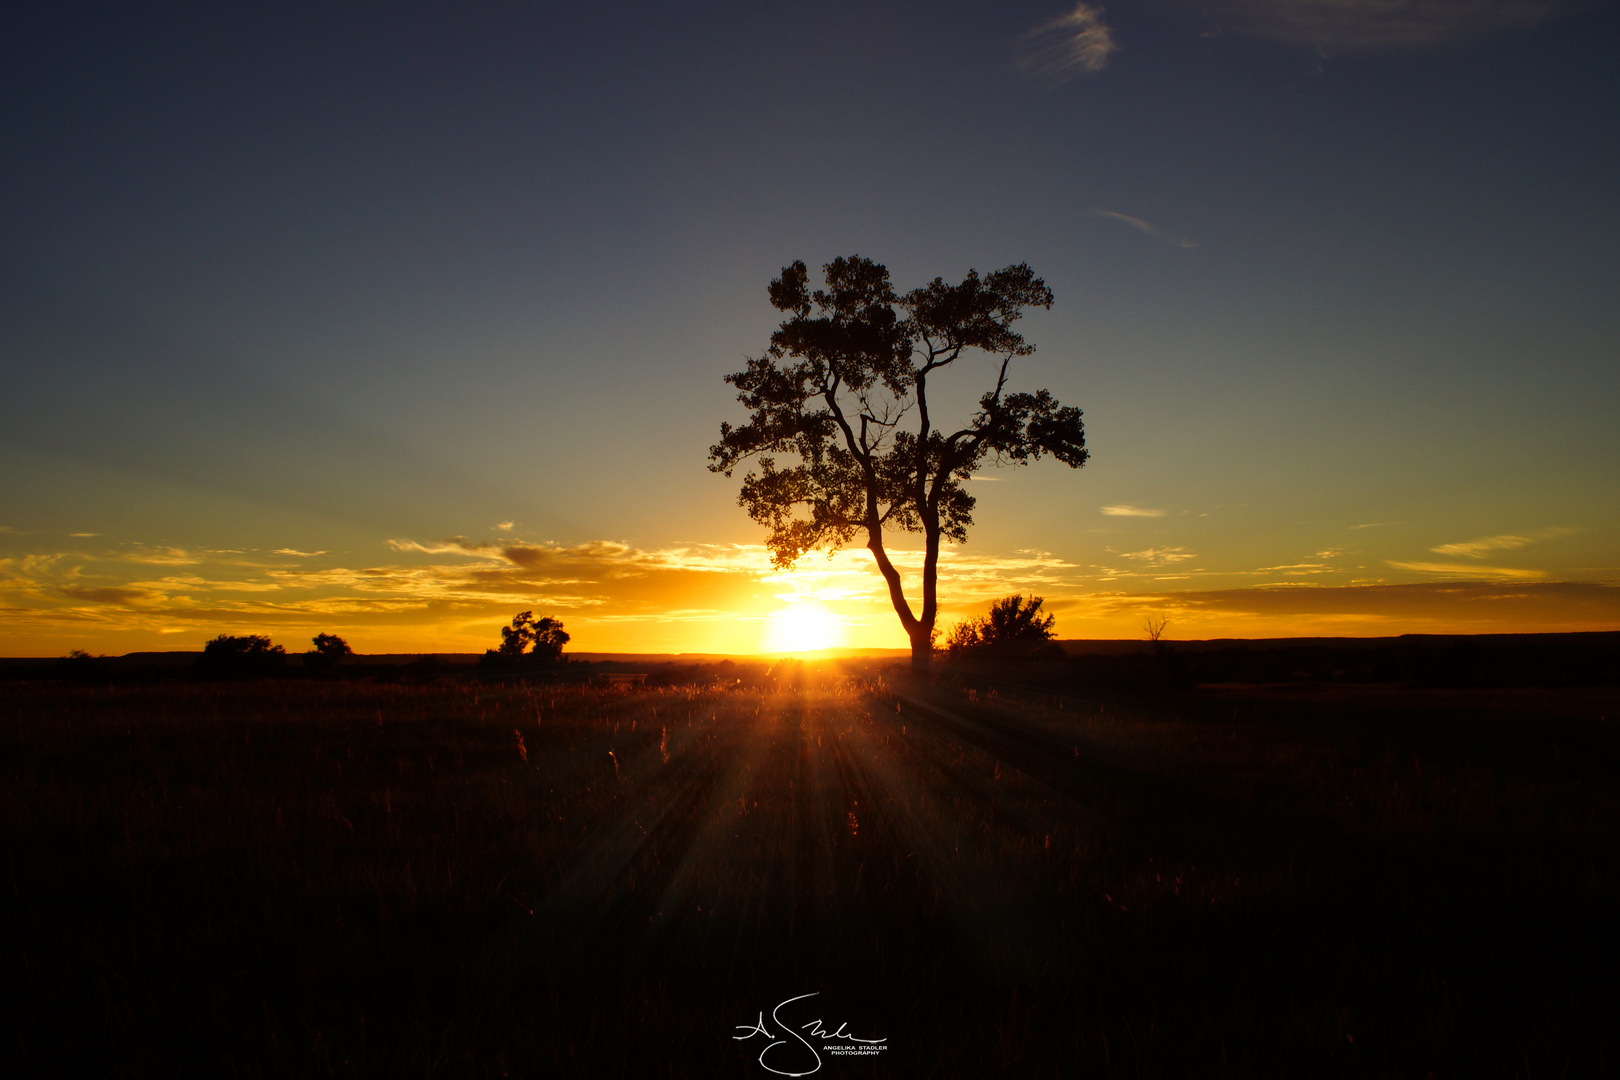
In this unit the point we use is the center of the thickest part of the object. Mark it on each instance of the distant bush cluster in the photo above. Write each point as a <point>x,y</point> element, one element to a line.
<point>254,656</point>
<point>246,656</point>
<point>1014,627</point>
<point>528,643</point>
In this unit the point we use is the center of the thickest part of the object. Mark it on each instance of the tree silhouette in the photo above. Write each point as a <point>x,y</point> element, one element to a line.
<point>1014,626</point>
<point>241,657</point>
<point>538,641</point>
<point>843,390</point>
<point>328,652</point>
<point>331,645</point>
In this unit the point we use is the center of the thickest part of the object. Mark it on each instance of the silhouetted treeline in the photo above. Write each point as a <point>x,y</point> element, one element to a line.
<point>1589,659</point>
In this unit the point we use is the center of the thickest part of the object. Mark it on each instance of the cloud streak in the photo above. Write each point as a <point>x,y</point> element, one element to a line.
<point>1076,44</point>
<point>1130,511</point>
<point>1479,548</point>
<point>1147,228</point>
<point>1168,556</point>
<point>1360,26</point>
<point>1464,570</point>
<point>1364,610</point>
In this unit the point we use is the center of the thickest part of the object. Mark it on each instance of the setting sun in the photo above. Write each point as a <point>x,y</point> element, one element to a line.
<point>803,627</point>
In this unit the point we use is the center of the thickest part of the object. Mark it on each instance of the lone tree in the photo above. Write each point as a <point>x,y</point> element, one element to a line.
<point>843,390</point>
<point>329,651</point>
<point>537,641</point>
<point>1014,627</point>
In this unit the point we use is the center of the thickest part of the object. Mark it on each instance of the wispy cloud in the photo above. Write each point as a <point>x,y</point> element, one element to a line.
<point>162,556</point>
<point>506,526</point>
<point>122,597</point>
<point>1145,227</point>
<point>1131,511</point>
<point>1078,43</point>
<point>1477,549</point>
<point>1347,26</point>
<point>1465,570</point>
<point>296,553</point>
<point>1160,556</point>
<point>1366,609</point>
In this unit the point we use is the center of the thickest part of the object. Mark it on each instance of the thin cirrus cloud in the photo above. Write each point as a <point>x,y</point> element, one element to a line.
<point>1478,549</point>
<point>1376,610</point>
<point>1463,570</point>
<point>1351,26</point>
<point>1168,556</point>
<point>1071,45</point>
<point>1147,228</point>
<point>1130,511</point>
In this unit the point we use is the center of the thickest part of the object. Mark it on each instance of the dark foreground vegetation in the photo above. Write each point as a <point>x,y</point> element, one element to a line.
<point>1004,873</point>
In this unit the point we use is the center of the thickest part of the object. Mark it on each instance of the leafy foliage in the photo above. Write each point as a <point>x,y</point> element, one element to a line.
<point>840,424</point>
<point>529,639</point>
<point>241,657</point>
<point>1014,626</point>
<point>331,645</point>
<point>328,652</point>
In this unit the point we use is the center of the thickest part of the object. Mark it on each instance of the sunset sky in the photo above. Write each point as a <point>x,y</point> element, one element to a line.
<point>395,320</point>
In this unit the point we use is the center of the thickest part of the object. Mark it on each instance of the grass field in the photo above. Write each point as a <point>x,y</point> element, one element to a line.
<point>455,878</point>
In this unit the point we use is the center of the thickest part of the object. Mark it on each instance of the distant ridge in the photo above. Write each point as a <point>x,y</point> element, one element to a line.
<point>1132,646</point>
<point>1071,646</point>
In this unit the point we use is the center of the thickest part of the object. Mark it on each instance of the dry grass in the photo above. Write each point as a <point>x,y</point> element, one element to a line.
<point>450,878</point>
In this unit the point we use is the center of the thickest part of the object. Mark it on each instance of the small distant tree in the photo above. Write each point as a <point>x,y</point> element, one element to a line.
<point>1014,627</point>
<point>1154,626</point>
<point>328,652</point>
<point>331,645</point>
<point>241,657</point>
<point>530,640</point>
<point>80,665</point>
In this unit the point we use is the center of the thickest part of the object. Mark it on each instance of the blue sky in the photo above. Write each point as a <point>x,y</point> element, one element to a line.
<point>299,306</point>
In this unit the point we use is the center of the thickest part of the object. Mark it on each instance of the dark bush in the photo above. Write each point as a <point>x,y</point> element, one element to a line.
<point>248,656</point>
<point>329,651</point>
<point>1014,627</point>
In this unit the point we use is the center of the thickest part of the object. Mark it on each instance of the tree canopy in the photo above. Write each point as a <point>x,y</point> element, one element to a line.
<point>240,656</point>
<point>840,423</point>
<point>534,640</point>
<point>329,651</point>
<point>1014,626</point>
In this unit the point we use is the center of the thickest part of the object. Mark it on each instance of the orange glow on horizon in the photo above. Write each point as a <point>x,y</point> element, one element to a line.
<point>803,627</point>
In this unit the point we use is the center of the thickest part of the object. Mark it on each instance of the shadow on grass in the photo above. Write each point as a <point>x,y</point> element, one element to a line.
<point>452,878</point>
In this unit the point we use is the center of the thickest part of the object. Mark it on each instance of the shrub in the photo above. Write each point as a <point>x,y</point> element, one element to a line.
<point>528,642</point>
<point>248,656</point>
<point>328,652</point>
<point>1014,627</point>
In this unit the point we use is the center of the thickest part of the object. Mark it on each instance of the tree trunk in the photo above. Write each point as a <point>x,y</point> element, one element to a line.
<point>922,649</point>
